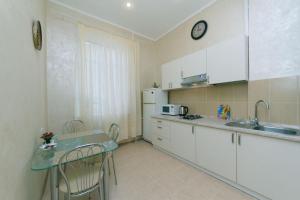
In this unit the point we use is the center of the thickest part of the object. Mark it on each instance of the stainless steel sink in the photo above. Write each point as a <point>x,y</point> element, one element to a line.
<point>241,124</point>
<point>268,128</point>
<point>286,131</point>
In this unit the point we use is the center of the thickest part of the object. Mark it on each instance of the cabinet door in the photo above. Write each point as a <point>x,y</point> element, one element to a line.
<point>171,75</point>
<point>269,166</point>
<point>194,64</point>
<point>216,151</point>
<point>183,141</point>
<point>227,61</point>
<point>148,111</point>
<point>165,76</point>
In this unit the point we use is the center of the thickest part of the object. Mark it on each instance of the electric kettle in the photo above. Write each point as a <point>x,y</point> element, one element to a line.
<point>183,110</point>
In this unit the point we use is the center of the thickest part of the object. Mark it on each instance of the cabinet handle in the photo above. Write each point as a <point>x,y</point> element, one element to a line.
<point>239,139</point>
<point>158,121</point>
<point>193,129</point>
<point>232,138</point>
<point>159,127</point>
<point>171,85</point>
<point>159,139</point>
<point>181,74</point>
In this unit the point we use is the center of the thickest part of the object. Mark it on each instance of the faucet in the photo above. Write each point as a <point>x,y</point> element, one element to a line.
<point>256,120</point>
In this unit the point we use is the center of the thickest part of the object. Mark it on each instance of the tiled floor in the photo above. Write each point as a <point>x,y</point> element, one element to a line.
<point>145,173</point>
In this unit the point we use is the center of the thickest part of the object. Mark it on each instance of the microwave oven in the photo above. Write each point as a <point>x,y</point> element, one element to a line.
<point>170,109</point>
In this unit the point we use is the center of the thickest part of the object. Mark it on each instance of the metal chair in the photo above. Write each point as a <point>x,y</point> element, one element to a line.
<point>113,132</point>
<point>81,175</point>
<point>74,126</point>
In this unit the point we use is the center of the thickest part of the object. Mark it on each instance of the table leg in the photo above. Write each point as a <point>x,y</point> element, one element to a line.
<point>53,183</point>
<point>106,180</point>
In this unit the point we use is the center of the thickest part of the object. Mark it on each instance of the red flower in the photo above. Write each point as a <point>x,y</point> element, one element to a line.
<point>47,135</point>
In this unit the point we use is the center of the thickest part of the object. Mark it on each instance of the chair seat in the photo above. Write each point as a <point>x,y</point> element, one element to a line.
<point>78,177</point>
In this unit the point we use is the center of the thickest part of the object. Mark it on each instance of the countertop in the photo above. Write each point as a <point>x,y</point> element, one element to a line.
<point>220,124</point>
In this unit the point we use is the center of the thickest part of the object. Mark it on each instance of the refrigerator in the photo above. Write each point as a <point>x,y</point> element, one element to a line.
<point>153,99</point>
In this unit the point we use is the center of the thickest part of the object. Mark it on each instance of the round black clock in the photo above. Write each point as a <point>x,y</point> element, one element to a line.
<point>37,34</point>
<point>199,30</point>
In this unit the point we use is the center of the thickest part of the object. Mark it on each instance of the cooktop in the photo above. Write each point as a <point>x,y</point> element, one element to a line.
<point>192,117</point>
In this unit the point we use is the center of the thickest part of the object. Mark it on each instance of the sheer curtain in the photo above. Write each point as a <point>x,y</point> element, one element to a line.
<point>107,82</point>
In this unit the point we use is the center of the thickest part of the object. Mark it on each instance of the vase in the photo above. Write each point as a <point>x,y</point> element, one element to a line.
<point>48,140</point>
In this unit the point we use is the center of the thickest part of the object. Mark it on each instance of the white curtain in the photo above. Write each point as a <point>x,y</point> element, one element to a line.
<point>107,82</point>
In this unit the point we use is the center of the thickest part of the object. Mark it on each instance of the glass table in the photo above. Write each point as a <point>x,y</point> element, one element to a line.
<point>48,159</point>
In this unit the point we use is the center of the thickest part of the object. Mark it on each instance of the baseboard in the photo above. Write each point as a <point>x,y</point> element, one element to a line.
<point>229,182</point>
<point>148,141</point>
<point>129,140</point>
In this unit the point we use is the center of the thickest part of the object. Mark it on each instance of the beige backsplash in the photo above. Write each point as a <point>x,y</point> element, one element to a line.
<point>283,94</point>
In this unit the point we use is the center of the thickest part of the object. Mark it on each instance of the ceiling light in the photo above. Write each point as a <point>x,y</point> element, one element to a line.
<point>128,4</point>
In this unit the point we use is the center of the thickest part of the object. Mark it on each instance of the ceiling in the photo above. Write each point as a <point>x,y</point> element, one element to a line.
<point>148,18</point>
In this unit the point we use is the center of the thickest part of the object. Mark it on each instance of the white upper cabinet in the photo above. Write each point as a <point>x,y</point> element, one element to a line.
<point>223,62</point>
<point>227,61</point>
<point>194,64</point>
<point>171,75</point>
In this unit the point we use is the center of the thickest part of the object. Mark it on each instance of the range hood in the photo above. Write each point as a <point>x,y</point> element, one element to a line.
<point>195,80</point>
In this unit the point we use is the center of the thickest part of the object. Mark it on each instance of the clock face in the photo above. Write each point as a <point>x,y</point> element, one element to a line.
<point>199,30</point>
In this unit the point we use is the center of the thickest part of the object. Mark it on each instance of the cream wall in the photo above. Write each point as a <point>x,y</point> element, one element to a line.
<point>205,101</point>
<point>226,19</point>
<point>148,54</point>
<point>274,28</point>
<point>23,98</point>
<point>274,53</point>
<point>62,40</point>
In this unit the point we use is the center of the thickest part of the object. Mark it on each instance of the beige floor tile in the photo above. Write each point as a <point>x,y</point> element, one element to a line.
<point>226,93</point>
<point>145,173</point>
<point>212,93</point>
<point>284,89</point>
<point>258,90</point>
<point>239,110</point>
<point>284,113</point>
<point>240,92</point>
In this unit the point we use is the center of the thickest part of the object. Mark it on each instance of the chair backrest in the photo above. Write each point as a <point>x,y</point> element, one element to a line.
<point>74,126</point>
<point>82,169</point>
<point>114,131</point>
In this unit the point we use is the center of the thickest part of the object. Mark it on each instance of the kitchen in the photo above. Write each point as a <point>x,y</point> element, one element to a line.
<point>205,96</point>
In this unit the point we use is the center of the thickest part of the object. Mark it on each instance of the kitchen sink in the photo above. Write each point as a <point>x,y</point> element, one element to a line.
<point>286,131</point>
<point>241,124</point>
<point>268,128</point>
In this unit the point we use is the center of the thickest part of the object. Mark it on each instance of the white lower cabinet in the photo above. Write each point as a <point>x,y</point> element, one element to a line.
<point>216,151</point>
<point>161,132</point>
<point>183,141</point>
<point>269,166</point>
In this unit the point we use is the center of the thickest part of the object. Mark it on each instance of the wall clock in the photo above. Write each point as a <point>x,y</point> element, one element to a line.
<point>37,35</point>
<point>199,30</point>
